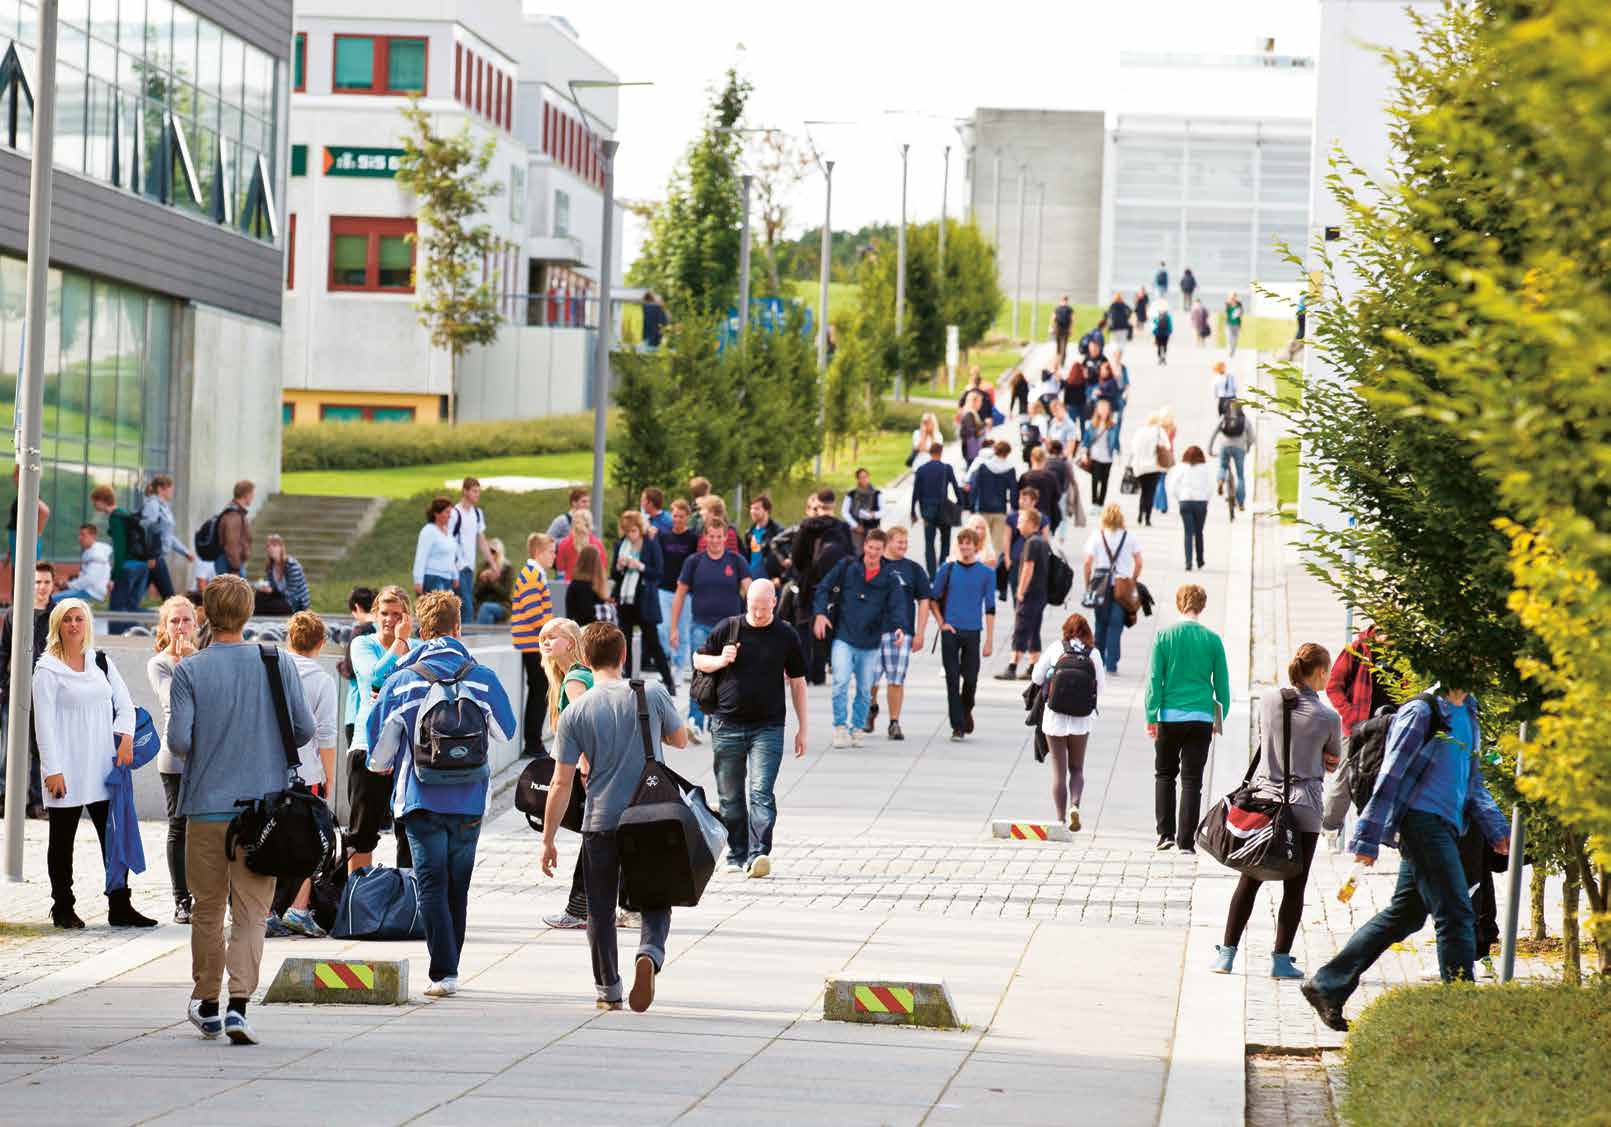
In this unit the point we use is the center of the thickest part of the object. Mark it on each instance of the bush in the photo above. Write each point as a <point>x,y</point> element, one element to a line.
<point>1463,1054</point>
<point>368,446</point>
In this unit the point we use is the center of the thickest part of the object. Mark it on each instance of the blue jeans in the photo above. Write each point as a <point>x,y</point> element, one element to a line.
<point>128,585</point>
<point>1193,514</point>
<point>1109,630</point>
<point>681,658</point>
<point>1238,455</point>
<point>1430,878</point>
<point>443,848</point>
<point>847,659</point>
<point>490,614</point>
<point>601,857</point>
<point>697,634</point>
<point>757,748</point>
<point>436,583</point>
<point>467,594</point>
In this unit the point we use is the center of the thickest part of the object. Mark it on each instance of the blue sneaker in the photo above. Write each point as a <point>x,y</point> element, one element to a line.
<point>1224,959</point>
<point>237,1029</point>
<point>210,1027</point>
<point>302,922</point>
<point>1282,966</point>
<point>274,928</point>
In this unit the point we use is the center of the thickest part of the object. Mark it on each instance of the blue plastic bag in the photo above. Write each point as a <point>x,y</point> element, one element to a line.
<point>1160,500</point>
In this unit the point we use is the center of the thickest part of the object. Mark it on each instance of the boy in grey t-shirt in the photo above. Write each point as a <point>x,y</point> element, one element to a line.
<point>602,725</point>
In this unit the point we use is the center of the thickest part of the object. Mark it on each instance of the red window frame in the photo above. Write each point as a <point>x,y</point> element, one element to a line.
<point>480,85</point>
<point>458,70</point>
<point>367,410</point>
<point>374,227</point>
<point>290,253</point>
<point>381,67</point>
<point>299,49</point>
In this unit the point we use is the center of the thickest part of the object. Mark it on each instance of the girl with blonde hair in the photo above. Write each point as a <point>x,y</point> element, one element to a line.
<point>175,641</point>
<point>926,435</point>
<point>561,643</point>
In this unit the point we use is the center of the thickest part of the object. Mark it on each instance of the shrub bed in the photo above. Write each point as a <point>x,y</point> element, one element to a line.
<point>368,446</point>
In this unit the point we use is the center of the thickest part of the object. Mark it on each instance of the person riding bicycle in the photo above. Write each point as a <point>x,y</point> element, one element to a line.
<point>1235,426</point>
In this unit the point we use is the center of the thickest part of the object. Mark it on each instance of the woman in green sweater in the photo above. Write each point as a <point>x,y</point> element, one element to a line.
<point>1188,680</point>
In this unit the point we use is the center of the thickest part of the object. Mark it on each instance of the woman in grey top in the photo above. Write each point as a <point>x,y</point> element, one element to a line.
<point>176,640</point>
<point>1315,749</point>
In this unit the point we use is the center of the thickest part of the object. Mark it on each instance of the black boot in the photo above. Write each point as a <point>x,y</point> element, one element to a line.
<point>120,911</point>
<point>65,918</point>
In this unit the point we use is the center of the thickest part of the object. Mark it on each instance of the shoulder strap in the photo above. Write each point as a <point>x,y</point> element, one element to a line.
<point>282,710</point>
<point>643,718</point>
<point>435,678</point>
<point>1289,701</point>
<point>100,661</point>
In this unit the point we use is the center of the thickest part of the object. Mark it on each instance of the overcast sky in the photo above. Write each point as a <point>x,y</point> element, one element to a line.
<point>851,61</point>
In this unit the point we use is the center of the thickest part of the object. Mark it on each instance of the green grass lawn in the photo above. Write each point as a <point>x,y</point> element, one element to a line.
<point>397,482</point>
<point>1453,1055</point>
<point>1286,472</point>
<point>1035,320</point>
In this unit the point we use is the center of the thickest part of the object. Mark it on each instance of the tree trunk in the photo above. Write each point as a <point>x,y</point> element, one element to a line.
<point>1572,972</point>
<point>453,387</point>
<point>1540,928</point>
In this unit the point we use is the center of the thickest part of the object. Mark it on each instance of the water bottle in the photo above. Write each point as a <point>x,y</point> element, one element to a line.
<point>1351,885</point>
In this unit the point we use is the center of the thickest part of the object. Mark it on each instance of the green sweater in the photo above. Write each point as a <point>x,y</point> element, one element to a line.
<point>1188,672</point>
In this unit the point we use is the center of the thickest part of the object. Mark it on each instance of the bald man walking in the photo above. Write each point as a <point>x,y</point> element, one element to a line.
<point>753,656</point>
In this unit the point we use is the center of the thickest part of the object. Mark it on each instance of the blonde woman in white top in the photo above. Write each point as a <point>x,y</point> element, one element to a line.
<point>85,723</point>
<point>926,435</point>
<point>1145,464</point>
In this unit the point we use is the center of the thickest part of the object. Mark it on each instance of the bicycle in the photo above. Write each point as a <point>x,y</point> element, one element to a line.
<point>1228,485</point>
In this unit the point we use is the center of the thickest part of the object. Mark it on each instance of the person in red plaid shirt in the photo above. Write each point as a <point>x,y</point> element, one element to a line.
<point>1357,686</point>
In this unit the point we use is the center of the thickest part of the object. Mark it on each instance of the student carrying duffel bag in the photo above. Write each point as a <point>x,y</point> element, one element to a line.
<point>670,839</point>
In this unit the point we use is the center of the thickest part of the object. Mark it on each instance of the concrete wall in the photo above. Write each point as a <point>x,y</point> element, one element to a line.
<point>529,372</point>
<point>1063,149</point>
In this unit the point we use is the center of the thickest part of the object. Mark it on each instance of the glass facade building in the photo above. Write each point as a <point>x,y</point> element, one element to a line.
<point>109,364</point>
<point>157,101</point>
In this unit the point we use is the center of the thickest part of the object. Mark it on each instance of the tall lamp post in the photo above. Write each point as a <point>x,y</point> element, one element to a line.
<point>945,187</point>
<point>823,269</point>
<point>1018,300</point>
<point>1040,218</point>
<point>30,408</point>
<point>900,276</point>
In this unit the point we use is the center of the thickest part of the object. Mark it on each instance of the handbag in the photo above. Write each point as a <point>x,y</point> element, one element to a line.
<point>947,514</point>
<point>531,795</point>
<point>1160,497</point>
<point>1129,484</point>
<point>288,833</point>
<point>1252,834</point>
<point>704,689</point>
<point>380,903</point>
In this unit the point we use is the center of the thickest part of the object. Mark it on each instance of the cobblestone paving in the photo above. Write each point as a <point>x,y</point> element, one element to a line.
<point>1285,1090</point>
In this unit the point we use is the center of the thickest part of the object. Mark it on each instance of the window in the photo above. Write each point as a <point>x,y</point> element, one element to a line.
<point>299,63</point>
<point>373,255</point>
<point>379,64</point>
<point>344,413</point>
<point>290,254</point>
<point>287,414</point>
<point>562,214</point>
<point>299,160</point>
<point>480,85</point>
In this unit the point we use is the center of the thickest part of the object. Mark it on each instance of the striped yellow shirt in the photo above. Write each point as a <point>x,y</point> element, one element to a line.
<point>533,606</point>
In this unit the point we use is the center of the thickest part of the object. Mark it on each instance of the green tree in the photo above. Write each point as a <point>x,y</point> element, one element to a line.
<point>447,174</point>
<point>970,295</point>
<point>690,256</point>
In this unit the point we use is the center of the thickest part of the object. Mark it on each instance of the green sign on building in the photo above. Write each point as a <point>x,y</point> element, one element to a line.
<point>346,160</point>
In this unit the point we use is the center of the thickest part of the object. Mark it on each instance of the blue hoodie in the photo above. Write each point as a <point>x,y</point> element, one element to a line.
<point>393,720</point>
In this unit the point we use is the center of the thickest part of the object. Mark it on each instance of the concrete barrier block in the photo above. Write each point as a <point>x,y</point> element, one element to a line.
<point>890,1001</point>
<point>341,982</point>
<point>1028,829</point>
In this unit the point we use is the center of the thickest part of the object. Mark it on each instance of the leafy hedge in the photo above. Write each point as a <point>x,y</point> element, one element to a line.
<point>366,446</point>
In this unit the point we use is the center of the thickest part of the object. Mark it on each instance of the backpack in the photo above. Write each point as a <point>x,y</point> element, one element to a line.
<point>1064,316</point>
<point>209,541</point>
<point>704,689</point>
<point>137,545</point>
<point>1071,689</point>
<point>1234,424</point>
<point>1059,580</point>
<point>1164,326</point>
<point>1367,745</point>
<point>451,741</point>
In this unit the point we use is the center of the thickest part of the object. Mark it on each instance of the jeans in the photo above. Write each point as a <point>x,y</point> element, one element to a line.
<point>1193,514</point>
<point>1026,626</point>
<point>936,543</point>
<point>603,888</point>
<point>1109,632</point>
<point>654,656</point>
<point>176,837</point>
<point>1430,879</point>
<point>1238,455</point>
<point>437,583</point>
<point>490,614</point>
<point>1232,334</point>
<point>698,634</point>
<point>59,853</point>
<point>847,659</point>
<point>1181,749</point>
<point>467,594</point>
<point>680,660</point>
<point>959,653</point>
<point>1099,481</point>
<point>443,848</point>
<point>128,586</point>
<point>162,578</point>
<point>755,749</point>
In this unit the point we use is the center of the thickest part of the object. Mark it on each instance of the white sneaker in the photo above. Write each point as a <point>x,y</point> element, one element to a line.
<point>760,867</point>
<point>693,736</point>
<point>855,737</point>
<point>445,989</point>
<point>841,737</point>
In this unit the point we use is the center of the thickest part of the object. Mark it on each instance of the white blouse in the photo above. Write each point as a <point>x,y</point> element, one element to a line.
<point>1060,723</point>
<point>76,717</point>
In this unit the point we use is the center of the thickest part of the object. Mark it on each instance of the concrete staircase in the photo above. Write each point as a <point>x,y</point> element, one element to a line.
<point>317,530</point>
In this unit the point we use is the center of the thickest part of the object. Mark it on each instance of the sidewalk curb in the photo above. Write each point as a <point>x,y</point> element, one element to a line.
<point>107,965</point>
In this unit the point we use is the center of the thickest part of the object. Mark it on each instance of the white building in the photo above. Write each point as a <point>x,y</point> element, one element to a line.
<point>354,346</point>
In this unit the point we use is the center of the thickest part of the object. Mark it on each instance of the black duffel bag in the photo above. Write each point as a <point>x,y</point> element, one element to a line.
<point>1250,833</point>
<point>669,838</point>
<point>288,833</point>
<point>531,795</point>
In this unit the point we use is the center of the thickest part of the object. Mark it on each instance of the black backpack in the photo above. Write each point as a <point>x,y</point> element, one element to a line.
<point>288,833</point>
<point>1234,423</point>
<point>137,545</point>
<point>209,544</point>
<point>453,742</point>
<point>704,689</point>
<point>1367,745</point>
<point>1059,580</point>
<point>1071,689</point>
<point>1064,316</point>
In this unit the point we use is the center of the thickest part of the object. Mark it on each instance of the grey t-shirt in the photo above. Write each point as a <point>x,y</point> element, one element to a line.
<point>602,724</point>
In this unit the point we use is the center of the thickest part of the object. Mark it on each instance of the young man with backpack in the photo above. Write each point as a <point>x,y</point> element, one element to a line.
<point>859,600</point>
<point>223,722</point>
<point>469,527</point>
<point>1236,428</point>
<point>1428,789</point>
<point>1062,325</point>
<point>602,726</point>
<point>1074,683</point>
<point>131,556</point>
<point>965,615</point>
<point>1033,572</point>
<point>432,731</point>
<point>895,650</point>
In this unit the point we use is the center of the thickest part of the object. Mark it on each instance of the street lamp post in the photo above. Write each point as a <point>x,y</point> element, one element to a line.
<point>900,276</point>
<point>945,185</point>
<point>744,260</point>
<point>1019,287</point>
<point>601,359</point>
<point>995,209</point>
<point>822,302</point>
<point>1040,242</point>
<point>30,408</point>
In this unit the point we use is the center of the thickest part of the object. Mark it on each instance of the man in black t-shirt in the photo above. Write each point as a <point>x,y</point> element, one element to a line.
<point>1033,572</point>
<point>753,655</point>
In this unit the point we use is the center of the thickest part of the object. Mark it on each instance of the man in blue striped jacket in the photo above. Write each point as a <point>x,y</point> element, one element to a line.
<point>442,819</point>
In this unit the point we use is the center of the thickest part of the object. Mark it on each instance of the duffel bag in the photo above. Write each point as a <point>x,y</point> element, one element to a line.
<point>380,903</point>
<point>531,795</point>
<point>1252,834</point>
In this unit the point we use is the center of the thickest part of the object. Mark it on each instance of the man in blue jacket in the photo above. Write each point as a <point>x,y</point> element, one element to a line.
<point>932,484</point>
<point>860,601</point>
<point>442,819</point>
<point>1429,786</point>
